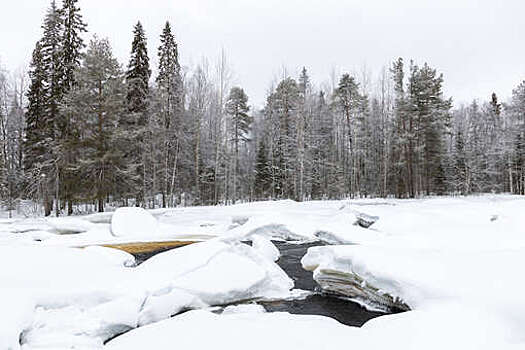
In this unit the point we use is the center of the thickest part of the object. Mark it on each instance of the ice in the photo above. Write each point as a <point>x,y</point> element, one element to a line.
<point>243,309</point>
<point>265,247</point>
<point>133,222</point>
<point>162,306</point>
<point>216,272</point>
<point>61,298</point>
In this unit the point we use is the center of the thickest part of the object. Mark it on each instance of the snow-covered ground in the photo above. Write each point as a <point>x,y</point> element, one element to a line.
<point>63,298</point>
<point>455,262</point>
<point>285,220</point>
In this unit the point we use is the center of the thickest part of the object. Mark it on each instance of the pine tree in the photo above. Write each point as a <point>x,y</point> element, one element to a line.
<point>402,171</point>
<point>97,103</point>
<point>348,99</point>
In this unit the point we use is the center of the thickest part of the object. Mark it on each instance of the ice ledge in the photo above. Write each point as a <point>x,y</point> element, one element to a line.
<point>353,286</point>
<point>335,274</point>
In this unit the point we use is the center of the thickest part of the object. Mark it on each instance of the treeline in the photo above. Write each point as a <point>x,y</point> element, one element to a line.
<point>90,131</point>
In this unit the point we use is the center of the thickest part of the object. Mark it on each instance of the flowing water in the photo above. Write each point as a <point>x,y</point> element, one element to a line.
<point>344,311</point>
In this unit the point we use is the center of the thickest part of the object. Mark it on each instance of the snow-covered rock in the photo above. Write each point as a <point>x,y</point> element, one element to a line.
<point>365,220</point>
<point>133,222</point>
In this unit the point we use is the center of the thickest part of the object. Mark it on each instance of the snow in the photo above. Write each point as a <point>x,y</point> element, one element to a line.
<point>438,254</point>
<point>429,329</point>
<point>255,330</point>
<point>265,247</point>
<point>68,297</point>
<point>113,256</point>
<point>66,226</point>
<point>455,262</point>
<point>280,220</point>
<point>133,222</point>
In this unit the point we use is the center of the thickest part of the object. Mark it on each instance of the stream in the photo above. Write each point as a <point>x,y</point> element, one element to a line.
<point>343,310</point>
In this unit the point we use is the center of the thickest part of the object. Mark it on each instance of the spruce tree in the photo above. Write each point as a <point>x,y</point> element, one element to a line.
<point>72,42</point>
<point>35,127</point>
<point>72,47</point>
<point>263,177</point>
<point>44,98</point>
<point>237,108</point>
<point>283,106</point>
<point>51,46</point>
<point>138,75</point>
<point>135,121</point>
<point>169,91</point>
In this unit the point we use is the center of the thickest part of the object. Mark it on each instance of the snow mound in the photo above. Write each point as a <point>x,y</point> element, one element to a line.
<point>217,273</point>
<point>62,298</point>
<point>99,218</point>
<point>133,222</point>
<point>256,330</point>
<point>265,247</point>
<point>429,329</point>
<point>404,277</point>
<point>162,306</point>
<point>113,256</point>
<point>65,226</point>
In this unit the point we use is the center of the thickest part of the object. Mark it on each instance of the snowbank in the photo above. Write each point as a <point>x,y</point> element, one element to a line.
<point>65,226</point>
<point>65,297</point>
<point>265,247</point>
<point>450,256</point>
<point>431,329</point>
<point>133,222</point>
<point>255,330</point>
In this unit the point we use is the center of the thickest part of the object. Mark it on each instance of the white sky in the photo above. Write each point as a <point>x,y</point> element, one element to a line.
<point>479,45</point>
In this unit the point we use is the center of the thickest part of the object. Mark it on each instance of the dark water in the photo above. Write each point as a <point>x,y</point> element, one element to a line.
<point>141,257</point>
<point>342,310</point>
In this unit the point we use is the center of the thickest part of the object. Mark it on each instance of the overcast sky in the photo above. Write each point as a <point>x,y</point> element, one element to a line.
<point>479,45</point>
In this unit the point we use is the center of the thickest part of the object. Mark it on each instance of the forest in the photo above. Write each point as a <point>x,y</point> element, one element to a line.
<point>82,131</point>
